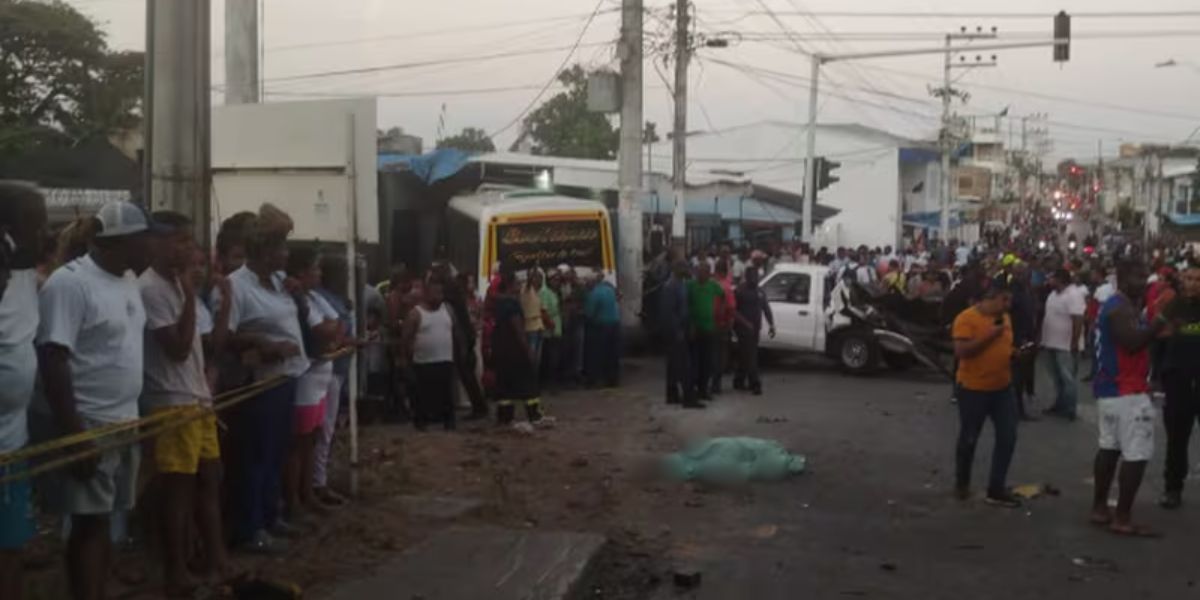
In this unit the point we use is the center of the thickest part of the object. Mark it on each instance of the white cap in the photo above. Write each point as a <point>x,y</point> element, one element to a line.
<point>123,218</point>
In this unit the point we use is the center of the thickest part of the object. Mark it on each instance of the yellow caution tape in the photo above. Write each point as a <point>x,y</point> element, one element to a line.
<point>220,402</point>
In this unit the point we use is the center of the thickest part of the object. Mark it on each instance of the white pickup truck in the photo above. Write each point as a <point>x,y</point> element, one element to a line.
<point>808,319</point>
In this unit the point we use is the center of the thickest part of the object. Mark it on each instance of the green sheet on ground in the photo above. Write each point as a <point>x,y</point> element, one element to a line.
<point>733,460</point>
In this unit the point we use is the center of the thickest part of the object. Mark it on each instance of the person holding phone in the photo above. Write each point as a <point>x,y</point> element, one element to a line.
<point>983,345</point>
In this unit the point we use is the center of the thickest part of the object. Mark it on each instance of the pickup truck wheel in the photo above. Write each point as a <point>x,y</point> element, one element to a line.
<point>857,353</point>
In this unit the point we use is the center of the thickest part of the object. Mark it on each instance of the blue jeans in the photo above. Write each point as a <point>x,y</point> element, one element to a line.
<point>974,409</point>
<point>259,432</point>
<point>1062,370</point>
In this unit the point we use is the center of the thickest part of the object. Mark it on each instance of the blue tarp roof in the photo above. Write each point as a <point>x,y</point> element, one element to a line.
<point>430,167</point>
<point>931,219</point>
<point>730,208</point>
<point>1184,220</point>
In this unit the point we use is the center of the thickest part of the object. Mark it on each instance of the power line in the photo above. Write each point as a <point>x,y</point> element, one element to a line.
<point>402,94</point>
<point>1051,97</point>
<point>553,76</point>
<point>976,15</point>
<point>436,62</point>
<point>431,32</point>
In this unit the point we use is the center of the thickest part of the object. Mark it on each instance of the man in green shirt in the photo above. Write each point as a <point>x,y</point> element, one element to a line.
<point>552,342</point>
<point>703,295</point>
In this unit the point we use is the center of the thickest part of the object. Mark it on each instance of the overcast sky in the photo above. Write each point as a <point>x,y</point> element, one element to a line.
<point>1147,103</point>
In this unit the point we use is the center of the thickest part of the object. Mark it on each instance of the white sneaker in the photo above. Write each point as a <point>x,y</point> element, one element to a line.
<point>545,422</point>
<point>523,428</point>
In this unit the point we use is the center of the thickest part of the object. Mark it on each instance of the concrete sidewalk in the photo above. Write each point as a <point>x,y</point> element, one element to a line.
<point>467,563</point>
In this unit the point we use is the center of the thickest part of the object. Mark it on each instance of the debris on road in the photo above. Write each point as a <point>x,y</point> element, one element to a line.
<point>733,460</point>
<point>1097,564</point>
<point>764,532</point>
<point>686,577</point>
<point>1030,491</point>
<point>889,567</point>
<point>770,420</point>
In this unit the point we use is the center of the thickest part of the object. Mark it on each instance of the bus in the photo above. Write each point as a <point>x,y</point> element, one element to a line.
<point>528,228</point>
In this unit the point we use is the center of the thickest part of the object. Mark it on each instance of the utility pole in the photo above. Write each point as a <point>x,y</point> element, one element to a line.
<point>629,204</point>
<point>683,53</point>
<point>178,133</point>
<point>241,52</point>
<point>810,154</point>
<point>949,139</point>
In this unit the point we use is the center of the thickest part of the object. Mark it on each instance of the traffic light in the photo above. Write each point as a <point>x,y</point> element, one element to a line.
<point>825,169</point>
<point>1062,31</point>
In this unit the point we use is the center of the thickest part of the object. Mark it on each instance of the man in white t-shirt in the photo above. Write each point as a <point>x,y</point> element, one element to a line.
<point>1062,329</point>
<point>188,456</point>
<point>90,344</point>
<point>22,218</point>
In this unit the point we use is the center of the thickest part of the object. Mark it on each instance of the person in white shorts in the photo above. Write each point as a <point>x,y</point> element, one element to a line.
<point>1121,387</point>
<point>90,345</point>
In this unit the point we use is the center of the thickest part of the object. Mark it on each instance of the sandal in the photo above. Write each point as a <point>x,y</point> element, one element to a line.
<point>1101,519</point>
<point>1131,530</point>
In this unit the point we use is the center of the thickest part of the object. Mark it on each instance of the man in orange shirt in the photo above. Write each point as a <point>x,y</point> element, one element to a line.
<point>983,344</point>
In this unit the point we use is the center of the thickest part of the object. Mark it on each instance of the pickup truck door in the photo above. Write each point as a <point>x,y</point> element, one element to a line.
<point>796,318</point>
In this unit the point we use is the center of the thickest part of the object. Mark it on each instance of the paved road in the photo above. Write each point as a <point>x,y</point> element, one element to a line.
<point>874,516</point>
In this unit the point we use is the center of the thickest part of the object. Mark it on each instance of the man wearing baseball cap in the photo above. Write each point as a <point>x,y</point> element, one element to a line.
<point>90,342</point>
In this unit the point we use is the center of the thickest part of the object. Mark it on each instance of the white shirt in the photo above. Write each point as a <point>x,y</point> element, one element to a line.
<point>169,382</point>
<point>1106,290</point>
<point>314,383</point>
<point>434,341</point>
<point>1060,308</point>
<point>866,274</point>
<point>18,359</point>
<point>738,269</point>
<point>962,254</point>
<point>99,318</point>
<point>269,312</point>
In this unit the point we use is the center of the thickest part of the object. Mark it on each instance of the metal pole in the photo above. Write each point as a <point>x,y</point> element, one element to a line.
<point>179,139</point>
<point>679,147</point>
<point>629,204</point>
<point>353,293</point>
<point>810,153</point>
<point>148,109</point>
<point>241,52</point>
<point>947,147</point>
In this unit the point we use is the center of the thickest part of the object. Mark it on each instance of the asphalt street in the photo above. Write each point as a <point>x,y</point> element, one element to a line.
<point>874,516</point>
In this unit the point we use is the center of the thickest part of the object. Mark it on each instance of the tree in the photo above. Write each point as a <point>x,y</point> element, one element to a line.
<point>472,140</point>
<point>59,81</point>
<point>563,125</point>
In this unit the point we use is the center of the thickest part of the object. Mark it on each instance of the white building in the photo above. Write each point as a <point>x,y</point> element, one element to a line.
<point>882,176</point>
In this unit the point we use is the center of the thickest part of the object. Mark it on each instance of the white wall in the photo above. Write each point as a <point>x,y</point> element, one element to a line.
<point>868,194</point>
<point>295,155</point>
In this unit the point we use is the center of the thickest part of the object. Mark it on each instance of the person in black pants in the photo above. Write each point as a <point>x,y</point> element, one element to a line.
<point>675,320</point>
<point>752,306</point>
<point>1024,328</point>
<point>1181,382</point>
<point>983,345</point>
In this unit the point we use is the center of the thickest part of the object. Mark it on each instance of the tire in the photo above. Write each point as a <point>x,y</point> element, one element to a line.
<point>898,361</point>
<point>857,353</point>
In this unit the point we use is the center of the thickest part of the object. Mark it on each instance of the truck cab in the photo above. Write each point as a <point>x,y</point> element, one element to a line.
<point>797,297</point>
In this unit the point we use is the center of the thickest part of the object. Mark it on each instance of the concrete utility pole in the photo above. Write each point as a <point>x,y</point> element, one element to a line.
<point>810,154</point>
<point>241,52</point>
<point>629,204</point>
<point>947,147</point>
<point>683,53</point>
<point>178,140</point>
<point>949,138</point>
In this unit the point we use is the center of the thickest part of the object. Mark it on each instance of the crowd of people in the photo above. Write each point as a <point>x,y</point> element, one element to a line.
<point>1121,316</point>
<point>120,323</point>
